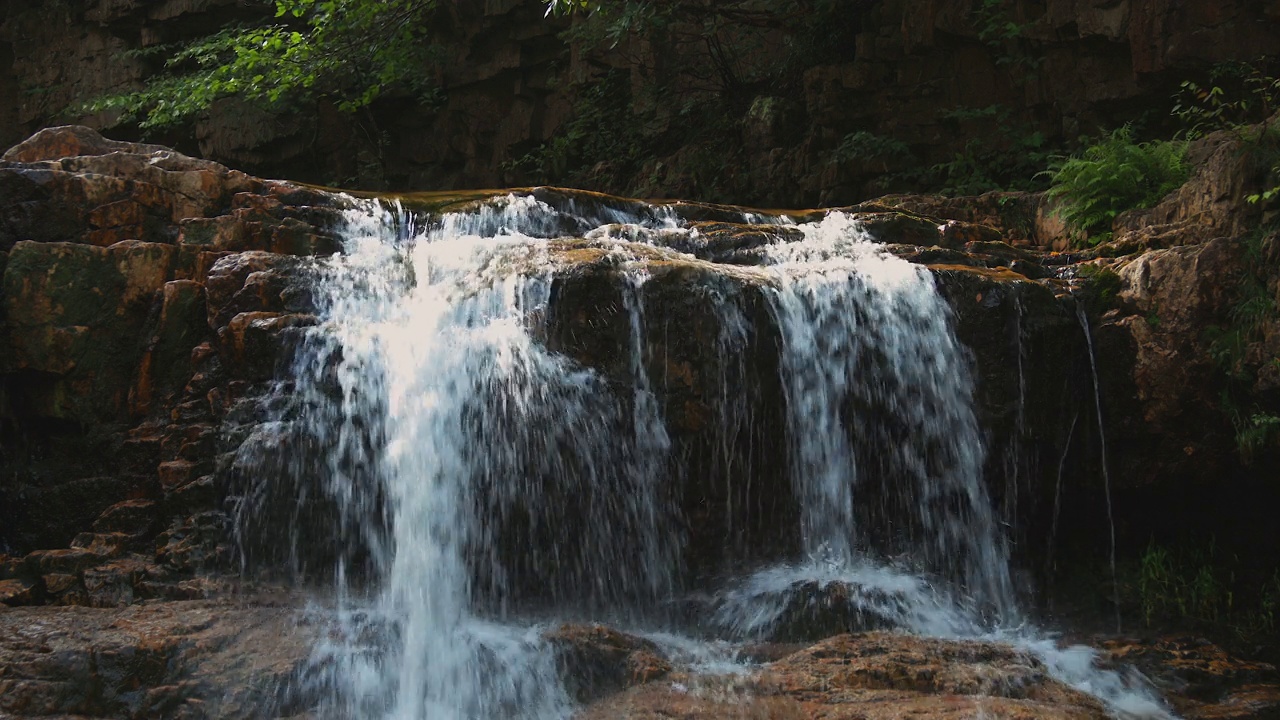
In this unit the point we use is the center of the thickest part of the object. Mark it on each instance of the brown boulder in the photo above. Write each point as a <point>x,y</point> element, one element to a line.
<point>253,343</point>
<point>55,143</point>
<point>18,591</point>
<point>130,517</point>
<point>1173,296</point>
<point>78,313</point>
<point>1211,204</point>
<point>255,281</point>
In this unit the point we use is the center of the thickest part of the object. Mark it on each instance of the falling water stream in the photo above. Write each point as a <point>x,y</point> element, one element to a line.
<point>517,488</point>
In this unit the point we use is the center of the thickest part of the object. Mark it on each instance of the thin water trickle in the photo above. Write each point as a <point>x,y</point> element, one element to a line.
<point>1013,459</point>
<point>1102,445</point>
<point>497,487</point>
<point>1057,491</point>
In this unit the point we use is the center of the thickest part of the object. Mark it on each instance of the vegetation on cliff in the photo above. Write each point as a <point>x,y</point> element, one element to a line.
<point>686,97</point>
<point>1115,175</point>
<point>348,51</point>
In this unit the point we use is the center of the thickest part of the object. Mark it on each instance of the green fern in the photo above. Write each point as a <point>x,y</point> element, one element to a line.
<point>1111,177</point>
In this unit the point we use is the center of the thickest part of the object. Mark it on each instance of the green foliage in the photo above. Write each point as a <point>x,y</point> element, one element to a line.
<point>1256,432</point>
<point>1269,605</point>
<point>1007,156</point>
<point>1101,288</point>
<point>568,7</point>
<point>1238,94</point>
<point>349,51</point>
<point>868,147</point>
<point>1000,31</point>
<point>1233,346</point>
<point>1265,148</point>
<point>1182,588</point>
<point>1203,587</point>
<point>1112,176</point>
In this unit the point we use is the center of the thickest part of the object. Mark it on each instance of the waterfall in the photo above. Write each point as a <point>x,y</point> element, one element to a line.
<point>493,486</point>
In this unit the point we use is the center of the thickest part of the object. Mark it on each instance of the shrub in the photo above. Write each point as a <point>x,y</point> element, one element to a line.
<point>1111,177</point>
<point>1255,433</point>
<point>1241,98</point>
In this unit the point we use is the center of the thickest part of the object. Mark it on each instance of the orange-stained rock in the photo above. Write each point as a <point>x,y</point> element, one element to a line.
<point>18,591</point>
<point>67,141</point>
<point>253,342</point>
<point>1203,681</point>
<point>872,676</point>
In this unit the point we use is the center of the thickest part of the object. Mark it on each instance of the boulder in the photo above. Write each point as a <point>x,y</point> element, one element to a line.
<point>256,281</point>
<point>810,610</point>
<point>67,141</point>
<point>596,661</point>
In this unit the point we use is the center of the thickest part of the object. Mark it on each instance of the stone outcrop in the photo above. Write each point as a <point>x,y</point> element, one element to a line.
<point>233,658</point>
<point>150,299</point>
<point>884,675</point>
<point>597,661</point>
<point>248,657</point>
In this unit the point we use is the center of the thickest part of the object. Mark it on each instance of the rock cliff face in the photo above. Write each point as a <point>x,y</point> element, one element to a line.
<point>922,74</point>
<point>126,308</point>
<point>150,301</point>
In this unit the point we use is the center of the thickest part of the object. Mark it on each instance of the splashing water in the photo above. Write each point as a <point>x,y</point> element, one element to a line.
<point>489,478</point>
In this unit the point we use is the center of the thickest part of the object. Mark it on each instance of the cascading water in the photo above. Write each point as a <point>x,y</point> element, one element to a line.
<point>494,483</point>
<point>886,451</point>
<point>502,467</point>
<point>881,403</point>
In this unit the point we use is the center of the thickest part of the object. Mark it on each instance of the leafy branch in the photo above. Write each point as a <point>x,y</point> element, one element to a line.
<point>349,51</point>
